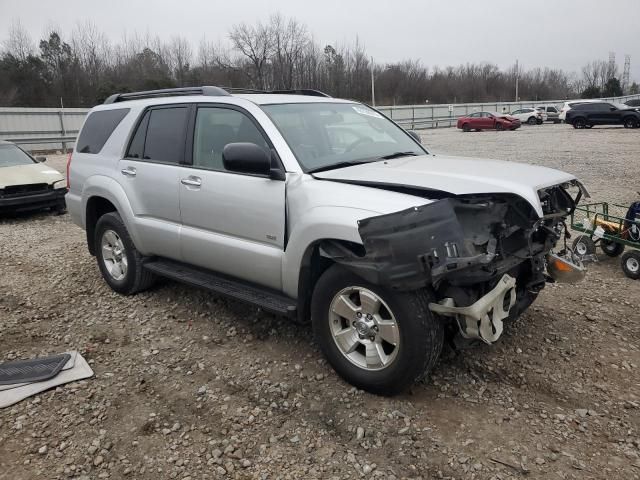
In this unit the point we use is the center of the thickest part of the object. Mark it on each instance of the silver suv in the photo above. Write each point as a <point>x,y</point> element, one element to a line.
<point>320,209</point>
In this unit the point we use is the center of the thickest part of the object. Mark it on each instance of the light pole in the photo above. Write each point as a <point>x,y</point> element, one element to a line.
<point>517,77</point>
<point>373,86</point>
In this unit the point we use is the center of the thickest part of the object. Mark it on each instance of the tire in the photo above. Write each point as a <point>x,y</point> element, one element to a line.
<point>539,121</point>
<point>465,127</point>
<point>112,239</point>
<point>417,333</point>
<point>631,264</point>
<point>579,123</point>
<point>611,249</point>
<point>630,122</point>
<point>499,127</point>
<point>583,245</point>
<point>532,121</point>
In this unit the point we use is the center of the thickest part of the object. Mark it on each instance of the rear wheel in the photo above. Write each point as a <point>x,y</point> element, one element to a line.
<point>579,123</point>
<point>499,126</point>
<point>118,259</point>
<point>631,264</point>
<point>583,245</point>
<point>612,249</point>
<point>377,339</point>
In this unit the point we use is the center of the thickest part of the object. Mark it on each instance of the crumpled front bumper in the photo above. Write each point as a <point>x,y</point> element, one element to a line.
<point>483,319</point>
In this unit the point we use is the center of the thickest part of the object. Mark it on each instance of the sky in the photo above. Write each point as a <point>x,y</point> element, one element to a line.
<point>556,33</point>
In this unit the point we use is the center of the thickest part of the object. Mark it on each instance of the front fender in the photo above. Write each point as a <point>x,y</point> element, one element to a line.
<point>319,223</point>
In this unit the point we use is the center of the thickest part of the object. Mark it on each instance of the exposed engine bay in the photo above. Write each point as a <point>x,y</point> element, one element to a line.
<point>484,256</point>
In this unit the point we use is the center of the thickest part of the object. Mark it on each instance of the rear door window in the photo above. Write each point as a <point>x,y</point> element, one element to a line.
<point>165,135</point>
<point>97,129</point>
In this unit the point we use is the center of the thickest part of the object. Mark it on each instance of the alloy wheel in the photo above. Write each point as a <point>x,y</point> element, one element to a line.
<point>364,328</point>
<point>114,255</point>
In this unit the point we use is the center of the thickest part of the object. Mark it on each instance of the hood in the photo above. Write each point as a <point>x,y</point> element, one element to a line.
<point>27,174</point>
<point>455,175</point>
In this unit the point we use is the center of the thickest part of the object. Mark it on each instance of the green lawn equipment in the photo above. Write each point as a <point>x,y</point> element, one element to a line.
<point>613,227</point>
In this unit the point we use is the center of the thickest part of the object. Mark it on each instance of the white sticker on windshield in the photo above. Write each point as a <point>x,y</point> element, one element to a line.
<point>366,111</point>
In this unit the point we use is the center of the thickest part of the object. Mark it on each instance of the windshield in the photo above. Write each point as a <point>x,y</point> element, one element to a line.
<point>326,134</point>
<point>10,156</point>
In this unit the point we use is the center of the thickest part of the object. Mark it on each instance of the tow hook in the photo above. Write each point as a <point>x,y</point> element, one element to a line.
<point>483,319</point>
<point>565,269</point>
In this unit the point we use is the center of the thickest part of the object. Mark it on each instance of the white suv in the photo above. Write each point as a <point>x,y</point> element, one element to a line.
<point>320,209</point>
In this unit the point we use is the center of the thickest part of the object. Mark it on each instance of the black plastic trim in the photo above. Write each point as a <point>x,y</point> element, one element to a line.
<point>265,298</point>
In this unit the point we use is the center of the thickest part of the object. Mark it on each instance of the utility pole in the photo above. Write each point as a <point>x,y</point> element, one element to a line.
<point>373,87</point>
<point>517,78</point>
<point>625,74</point>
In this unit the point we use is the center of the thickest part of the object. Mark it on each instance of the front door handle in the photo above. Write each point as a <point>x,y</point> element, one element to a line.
<point>191,181</point>
<point>129,171</point>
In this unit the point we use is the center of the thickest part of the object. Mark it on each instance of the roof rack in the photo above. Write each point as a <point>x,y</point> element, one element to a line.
<point>207,91</point>
<point>301,91</point>
<point>168,92</point>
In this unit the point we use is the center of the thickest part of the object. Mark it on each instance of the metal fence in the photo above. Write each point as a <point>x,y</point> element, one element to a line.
<point>41,128</point>
<point>56,129</point>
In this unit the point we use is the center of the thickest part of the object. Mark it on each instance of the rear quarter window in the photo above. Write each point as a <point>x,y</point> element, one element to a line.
<point>97,129</point>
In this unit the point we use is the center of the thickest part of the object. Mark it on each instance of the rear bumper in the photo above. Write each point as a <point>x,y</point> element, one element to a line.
<point>53,198</point>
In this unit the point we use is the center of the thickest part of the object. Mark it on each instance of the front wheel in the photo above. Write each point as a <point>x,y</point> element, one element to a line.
<point>630,123</point>
<point>465,128</point>
<point>532,121</point>
<point>499,127</point>
<point>376,339</point>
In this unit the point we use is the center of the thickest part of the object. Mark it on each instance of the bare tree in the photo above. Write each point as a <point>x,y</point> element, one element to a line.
<point>256,44</point>
<point>19,43</point>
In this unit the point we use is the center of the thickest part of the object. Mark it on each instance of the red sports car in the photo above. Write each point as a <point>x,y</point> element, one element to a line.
<point>487,120</point>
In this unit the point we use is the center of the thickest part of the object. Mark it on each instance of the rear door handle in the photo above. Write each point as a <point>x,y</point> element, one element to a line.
<point>191,181</point>
<point>129,171</point>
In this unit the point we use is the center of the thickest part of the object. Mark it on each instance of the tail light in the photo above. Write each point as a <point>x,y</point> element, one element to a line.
<point>69,168</point>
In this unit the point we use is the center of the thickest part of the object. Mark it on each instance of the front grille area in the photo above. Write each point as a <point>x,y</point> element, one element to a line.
<point>22,190</point>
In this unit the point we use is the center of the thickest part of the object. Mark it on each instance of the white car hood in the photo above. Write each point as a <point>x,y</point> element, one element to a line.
<point>456,175</point>
<point>27,174</point>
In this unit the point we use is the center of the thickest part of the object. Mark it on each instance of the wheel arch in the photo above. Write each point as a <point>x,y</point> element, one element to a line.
<point>101,195</point>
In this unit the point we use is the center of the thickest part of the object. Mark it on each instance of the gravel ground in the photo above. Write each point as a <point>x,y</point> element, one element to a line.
<point>192,386</point>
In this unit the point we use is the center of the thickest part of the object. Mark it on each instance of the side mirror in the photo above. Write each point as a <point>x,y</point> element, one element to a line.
<point>613,109</point>
<point>415,135</point>
<point>246,157</point>
<point>41,159</point>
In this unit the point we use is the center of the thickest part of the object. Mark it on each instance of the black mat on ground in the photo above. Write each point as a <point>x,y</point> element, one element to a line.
<point>35,370</point>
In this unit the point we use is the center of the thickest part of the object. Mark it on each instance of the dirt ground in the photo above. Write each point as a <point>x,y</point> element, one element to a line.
<point>192,386</point>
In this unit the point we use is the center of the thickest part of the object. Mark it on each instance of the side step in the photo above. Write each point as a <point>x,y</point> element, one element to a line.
<point>264,298</point>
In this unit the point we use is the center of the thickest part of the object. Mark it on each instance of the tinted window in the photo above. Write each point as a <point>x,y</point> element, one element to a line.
<point>165,135</point>
<point>136,148</point>
<point>217,127</point>
<point>552,109</point>
<point>97,129</point>
<point>10,156</point>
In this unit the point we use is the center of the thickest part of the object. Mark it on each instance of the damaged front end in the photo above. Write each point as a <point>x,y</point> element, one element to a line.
<point>484,256</point>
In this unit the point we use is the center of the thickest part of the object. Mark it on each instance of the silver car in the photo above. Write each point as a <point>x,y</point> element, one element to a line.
<point>320,209</point>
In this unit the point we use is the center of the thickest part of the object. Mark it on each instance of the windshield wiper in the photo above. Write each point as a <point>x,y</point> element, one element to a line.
<point>399,154</point>
<point>333,166</point>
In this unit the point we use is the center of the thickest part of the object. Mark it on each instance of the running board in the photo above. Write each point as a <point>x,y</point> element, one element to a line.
<point>264,298</point>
